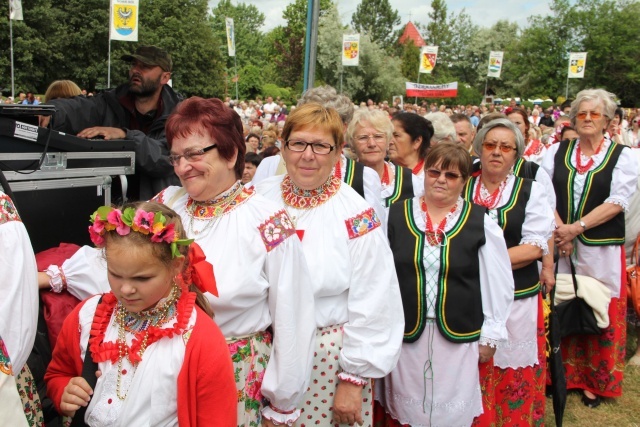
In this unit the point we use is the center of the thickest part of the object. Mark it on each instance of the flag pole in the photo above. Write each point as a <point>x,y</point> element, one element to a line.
<point>13,83</point>
<point>109,54</point>
<point>235,66</point>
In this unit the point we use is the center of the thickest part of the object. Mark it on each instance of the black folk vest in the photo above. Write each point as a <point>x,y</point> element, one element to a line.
<point>458,308</point>
<point>403,186</point>
<point>596,190</point>
<point>510,218</point>
<point>354,175</point>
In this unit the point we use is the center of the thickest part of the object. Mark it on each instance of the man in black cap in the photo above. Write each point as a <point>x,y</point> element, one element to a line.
<point>136,110</point>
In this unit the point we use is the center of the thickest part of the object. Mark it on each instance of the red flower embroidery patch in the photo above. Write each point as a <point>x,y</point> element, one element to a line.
<point>362,223</point>
<point>276,230</point>
<point>8,212</point>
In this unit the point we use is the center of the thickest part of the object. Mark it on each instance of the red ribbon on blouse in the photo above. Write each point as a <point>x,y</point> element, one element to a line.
<point>201,270</point>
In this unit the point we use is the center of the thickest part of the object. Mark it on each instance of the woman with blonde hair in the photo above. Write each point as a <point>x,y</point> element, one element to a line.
<point>62,89</point>
<point>369,135</point>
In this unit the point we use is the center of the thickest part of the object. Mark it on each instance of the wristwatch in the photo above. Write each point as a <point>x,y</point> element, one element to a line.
<point>583,225</point>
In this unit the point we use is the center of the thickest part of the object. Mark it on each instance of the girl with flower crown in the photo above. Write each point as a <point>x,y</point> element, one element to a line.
<point>148,352</point>
<point>265,303</point>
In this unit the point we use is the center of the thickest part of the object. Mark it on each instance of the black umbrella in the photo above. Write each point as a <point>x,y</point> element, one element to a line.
<point>554,361</point>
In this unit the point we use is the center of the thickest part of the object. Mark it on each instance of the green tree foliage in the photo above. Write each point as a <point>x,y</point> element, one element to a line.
<point>410,61</point>
<point>538,65</point>
<point>69,39</point>
<point>502,36</point>
<point>377,77</point>
<point>376,18</point>
<point>247,22</point>
<point>290,45</point>
<point>609,34</point>
<point>439,34</point>
<point>463,33</point>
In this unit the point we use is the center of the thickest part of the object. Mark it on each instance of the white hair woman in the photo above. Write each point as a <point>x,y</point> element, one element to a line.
<point>519,206</point>
<point>594,179</point>
<point>443,128</point>
<point>369,135</point>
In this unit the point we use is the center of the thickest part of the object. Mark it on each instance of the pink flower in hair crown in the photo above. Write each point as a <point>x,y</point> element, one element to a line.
<point>107,219</point>
<point>115,221</point>
<point>143,221</point>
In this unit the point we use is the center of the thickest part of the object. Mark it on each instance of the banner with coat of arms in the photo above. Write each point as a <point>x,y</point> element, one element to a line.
<point>231,37</point>
<point>124,20</point>
<point>428,56</point>
<point>495,63</point>
<point>350,50</point>
<point>15,10</point>
<point>577,64</point>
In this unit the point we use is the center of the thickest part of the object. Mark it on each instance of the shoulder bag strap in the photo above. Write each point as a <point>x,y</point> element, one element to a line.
<point>89,368</point>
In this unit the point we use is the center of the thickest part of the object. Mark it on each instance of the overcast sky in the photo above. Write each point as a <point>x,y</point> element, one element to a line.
<point>483,12</point>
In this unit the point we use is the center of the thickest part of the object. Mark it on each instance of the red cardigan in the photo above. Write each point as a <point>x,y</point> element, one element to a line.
<point>207,393</point>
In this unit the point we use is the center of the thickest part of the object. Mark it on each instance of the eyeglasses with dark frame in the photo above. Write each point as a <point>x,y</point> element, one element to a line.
<point>449,176</point>
<point>190,156</point>
<point>490,146</point>
<point>317,147</point>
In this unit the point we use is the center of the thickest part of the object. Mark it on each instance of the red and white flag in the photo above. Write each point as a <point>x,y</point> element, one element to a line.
<point>446,90</point>
<point>428,56</point>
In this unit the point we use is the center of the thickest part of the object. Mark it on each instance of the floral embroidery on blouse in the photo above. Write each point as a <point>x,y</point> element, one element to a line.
<point>306,199</point>
<point>362,223</point>
<point>227,202</point>
<point>8,211</point>
<point>159,197</point>
<point>5,362</point>
<point>276,229</point>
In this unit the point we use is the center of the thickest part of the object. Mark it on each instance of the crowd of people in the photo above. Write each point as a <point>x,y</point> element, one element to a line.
<point>327,263</point>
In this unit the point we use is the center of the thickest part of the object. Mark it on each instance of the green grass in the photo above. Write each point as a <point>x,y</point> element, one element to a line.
<point>621,412</point>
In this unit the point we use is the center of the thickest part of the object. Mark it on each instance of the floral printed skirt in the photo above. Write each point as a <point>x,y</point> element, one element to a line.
<point>30,398</point>
<point>520,392</point>
<point>488,387</point>
<point>596,362</point>
<point>250,357</point>
<point>317,402</point>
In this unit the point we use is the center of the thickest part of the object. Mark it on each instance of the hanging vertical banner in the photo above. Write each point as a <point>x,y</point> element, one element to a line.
<point>124,20</point>
<point>231,38</point>
<point>350,50</point>
<point>15,10</point>
<point>495,64</point>
<point>577,63</point>
<point>428,55</point>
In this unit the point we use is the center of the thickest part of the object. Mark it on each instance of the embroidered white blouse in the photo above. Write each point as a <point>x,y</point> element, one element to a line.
<point>258,285</point>
<point>353,275</point>
<point>18,286</point>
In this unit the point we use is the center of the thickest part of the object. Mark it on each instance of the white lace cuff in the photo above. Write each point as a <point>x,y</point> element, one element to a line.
<point>542,244</point>
<point>352,378</point>
<point>489,342</point>
<point>620,201</point>
<point>280,417</point>
<point>57,280</point>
